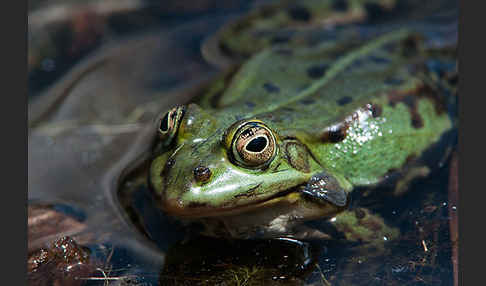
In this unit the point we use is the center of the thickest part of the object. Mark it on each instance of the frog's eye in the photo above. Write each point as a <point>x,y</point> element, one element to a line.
<point>169,124</point>
<point>254,145</point>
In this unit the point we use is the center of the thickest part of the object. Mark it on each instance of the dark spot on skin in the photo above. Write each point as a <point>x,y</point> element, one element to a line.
<point>410,100</point>
<point>357,63</point>
<point>250,104</point>
<point>299,13</point>
<point>317,71</point>
<point>344,100</point>
<point>390,47</point>
<point>410,46</point>
<point>374,12</point>
<point>202,174</point>
<point>237,27</point>
<point>302,87</point>
<point>417,121</point>
<point>321,37</point>
<point>436,96</point>
<point>359,213</point>
<point>168,165</point>
<point>394,100</point>
<point>376,110</point>
<point>354,65</point>
<point>393,81</point>
<point>336,136</point>
<point>287,109</point>
<point>267,12</point>
<point>378,60</point>
<point>271,88</point>
<point>335,133</point>
<point>280,39</point>
<point>336,54</point>
<point>340,5</point>
<point>307,101</point>
<point>284,51</point>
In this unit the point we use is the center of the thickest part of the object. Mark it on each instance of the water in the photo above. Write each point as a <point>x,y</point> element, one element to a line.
<point>80,148</point>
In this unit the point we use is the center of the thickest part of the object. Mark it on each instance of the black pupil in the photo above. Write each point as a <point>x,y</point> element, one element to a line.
<point>257,144</point>
<point>164,123</point>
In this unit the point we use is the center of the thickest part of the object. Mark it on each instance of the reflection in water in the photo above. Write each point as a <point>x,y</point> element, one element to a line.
<point>209,261</point>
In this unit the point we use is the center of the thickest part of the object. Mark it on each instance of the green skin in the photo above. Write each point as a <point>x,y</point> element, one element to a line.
<point>353,118</point>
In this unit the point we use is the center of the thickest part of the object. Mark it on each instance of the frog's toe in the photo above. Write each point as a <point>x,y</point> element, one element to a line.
<point>326,189</point>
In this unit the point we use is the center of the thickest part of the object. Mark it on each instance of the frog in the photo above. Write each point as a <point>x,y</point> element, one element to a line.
<point>81,154</point>
<point>300,127</point>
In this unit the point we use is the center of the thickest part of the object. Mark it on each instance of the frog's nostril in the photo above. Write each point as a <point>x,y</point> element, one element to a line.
<point>168,165</point>
<point>202,174</point>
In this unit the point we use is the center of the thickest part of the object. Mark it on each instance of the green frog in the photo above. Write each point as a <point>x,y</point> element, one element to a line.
<point>302,123</point>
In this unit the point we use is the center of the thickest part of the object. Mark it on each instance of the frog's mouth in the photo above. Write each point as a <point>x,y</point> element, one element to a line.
<point>192,211</point>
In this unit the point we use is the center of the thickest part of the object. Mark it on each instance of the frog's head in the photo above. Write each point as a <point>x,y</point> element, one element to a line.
<point>208,167</point>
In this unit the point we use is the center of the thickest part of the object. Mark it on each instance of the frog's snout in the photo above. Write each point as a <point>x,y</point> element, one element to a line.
<point>181,183</point>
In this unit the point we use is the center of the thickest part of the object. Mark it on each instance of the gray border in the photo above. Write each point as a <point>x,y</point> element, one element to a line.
<point>14,123</point>
<point>471,123</point>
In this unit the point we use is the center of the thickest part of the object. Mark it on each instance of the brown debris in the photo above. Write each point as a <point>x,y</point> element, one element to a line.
<point>63,262</point>
<point>45,225</point>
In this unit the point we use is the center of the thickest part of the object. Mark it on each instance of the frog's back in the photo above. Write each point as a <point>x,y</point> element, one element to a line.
<point>362,109</point>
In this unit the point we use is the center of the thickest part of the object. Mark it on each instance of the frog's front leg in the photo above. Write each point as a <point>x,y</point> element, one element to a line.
<point>325,188</point>
<point>359,225</point>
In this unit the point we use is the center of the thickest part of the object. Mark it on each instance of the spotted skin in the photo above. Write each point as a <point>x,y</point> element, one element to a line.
<point>345,114</point>
<point>281,23</point>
